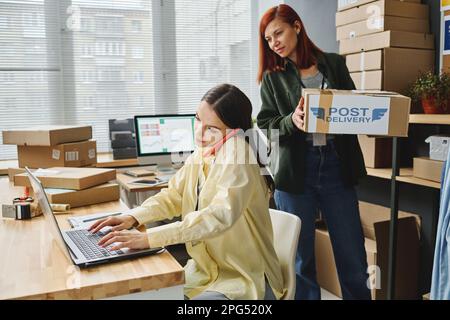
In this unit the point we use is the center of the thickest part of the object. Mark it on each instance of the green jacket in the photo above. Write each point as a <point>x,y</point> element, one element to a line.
<point>280,94</point>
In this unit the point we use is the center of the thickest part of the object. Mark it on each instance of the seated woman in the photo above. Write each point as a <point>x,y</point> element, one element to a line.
<point>224,204</point>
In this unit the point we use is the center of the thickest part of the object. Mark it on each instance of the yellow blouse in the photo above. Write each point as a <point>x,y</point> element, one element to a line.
<point>229,237</point>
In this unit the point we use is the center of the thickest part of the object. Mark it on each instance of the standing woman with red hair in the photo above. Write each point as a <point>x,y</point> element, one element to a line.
<point>312,171</point>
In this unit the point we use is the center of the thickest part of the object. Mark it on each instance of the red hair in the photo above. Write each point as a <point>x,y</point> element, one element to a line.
<point>307,51</point>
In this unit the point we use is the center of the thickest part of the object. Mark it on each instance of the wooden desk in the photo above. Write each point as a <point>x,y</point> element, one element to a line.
<point>124,180</point>
<point>132,194</point>
<point>105,160</point>
<point>5,164</point>
<point>33,267</point>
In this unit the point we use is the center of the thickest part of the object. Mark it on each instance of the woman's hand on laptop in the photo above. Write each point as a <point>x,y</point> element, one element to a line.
<point>133,239</point>
<point>117,223</point>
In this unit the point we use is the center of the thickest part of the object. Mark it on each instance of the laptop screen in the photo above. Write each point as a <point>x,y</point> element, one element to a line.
<point>39,193</point>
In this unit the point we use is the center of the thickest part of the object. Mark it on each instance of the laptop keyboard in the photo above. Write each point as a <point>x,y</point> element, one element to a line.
<point>87,243</point>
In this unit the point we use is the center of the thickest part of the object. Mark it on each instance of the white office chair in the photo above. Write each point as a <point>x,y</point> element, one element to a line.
<point>286,230</point>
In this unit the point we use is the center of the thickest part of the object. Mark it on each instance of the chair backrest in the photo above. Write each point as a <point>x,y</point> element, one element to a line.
<point>286,231</point>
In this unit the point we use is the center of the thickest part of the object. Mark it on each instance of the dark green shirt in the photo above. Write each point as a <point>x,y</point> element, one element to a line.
<point>280,94</point>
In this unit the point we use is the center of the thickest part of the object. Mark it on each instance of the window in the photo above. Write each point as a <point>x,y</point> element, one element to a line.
<point>106,59</point>
<point>5,22</point>
<point>136,26</point>
<point>139,77</point>
<point>29,67</point>
<point>109,24</point>
<point>33,22</point>
<point>88,51</point>
<point>88,76</point>
<point>110,74</point>
<point>137,52</point>
<point>220,54</point>
<point>86,24</point>
<point>37,77</point>
<point>88,103</point>
<point>110,48</point>
<point>8,77</point>
<point>139,102</point>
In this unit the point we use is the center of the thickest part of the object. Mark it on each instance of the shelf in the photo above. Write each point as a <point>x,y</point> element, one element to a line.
<point>406,176</point>
<point>5,164</point>
<point>430,118</point>
<point>104,160</point>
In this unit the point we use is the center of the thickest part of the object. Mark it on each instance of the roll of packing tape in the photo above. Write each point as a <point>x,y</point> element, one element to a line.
<point>58,207</point>
<point>23,210</point>
<point>18,200</point>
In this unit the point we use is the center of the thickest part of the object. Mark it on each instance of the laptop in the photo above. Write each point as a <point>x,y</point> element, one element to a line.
<point>78,244</point>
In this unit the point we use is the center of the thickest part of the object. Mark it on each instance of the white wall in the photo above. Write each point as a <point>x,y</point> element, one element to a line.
<point>265,5</point>
<point>318,17</point>
<point>258,9</point>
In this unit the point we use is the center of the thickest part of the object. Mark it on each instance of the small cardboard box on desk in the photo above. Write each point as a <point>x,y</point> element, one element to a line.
<point>356,112</point>
<point>73,154</point>
<point>68,178</point>
<point>75,186</point>
<point>79,198</point>
<point>53,146</point>
<point>46,135</point>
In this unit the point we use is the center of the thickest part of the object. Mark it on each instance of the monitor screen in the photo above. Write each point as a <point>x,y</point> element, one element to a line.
<point>164,134</point>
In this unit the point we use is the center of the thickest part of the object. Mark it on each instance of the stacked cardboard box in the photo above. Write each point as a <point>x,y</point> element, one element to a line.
<point>377,151</point>
<point>50,146</point>
<point>123,139</point>
<point>375,221</point>
<point>75,186</point>
<point>386,42</point>
<point>387,45</point>
<point>430,168</point>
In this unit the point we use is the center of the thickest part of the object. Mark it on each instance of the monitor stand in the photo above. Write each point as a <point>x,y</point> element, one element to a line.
<point>163,163</point>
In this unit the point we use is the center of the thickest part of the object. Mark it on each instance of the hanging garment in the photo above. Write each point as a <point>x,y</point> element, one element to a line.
<point>440,284</point>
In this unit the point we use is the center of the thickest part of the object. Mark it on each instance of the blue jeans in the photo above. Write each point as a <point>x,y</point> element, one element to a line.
<point>325,191</point>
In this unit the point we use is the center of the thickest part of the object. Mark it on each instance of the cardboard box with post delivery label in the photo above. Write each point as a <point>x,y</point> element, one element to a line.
<point>356,112</point>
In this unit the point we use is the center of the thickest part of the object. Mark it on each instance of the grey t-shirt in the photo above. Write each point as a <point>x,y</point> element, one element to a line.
<point>315,81</point>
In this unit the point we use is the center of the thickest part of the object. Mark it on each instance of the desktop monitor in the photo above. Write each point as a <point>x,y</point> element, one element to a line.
<point>164,139</point>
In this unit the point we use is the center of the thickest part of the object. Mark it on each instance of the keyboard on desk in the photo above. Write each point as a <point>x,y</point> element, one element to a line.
<point>87,244</point>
